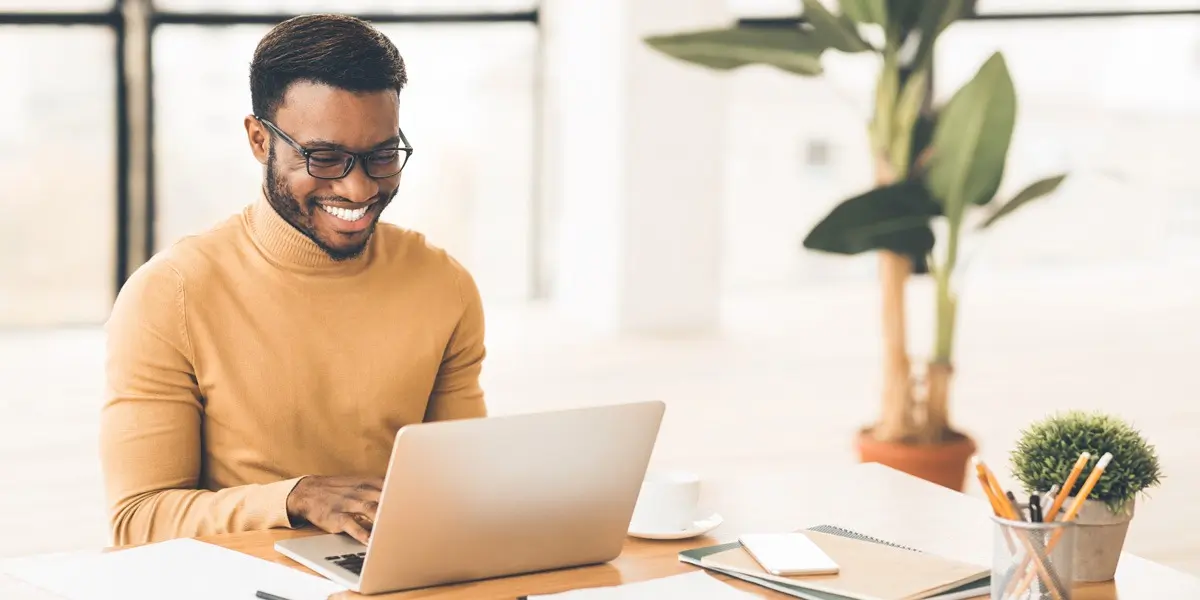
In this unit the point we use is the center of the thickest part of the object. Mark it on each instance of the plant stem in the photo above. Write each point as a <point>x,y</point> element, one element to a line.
<point>941,365</point>
<point>896,420</point>
<point>947,300</point>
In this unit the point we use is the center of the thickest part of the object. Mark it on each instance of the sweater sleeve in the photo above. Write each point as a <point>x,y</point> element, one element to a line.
<point>456,392</point>
<point>150,426</point>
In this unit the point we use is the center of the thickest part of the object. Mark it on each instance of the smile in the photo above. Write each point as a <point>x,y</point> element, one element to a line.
<point>346,214</point>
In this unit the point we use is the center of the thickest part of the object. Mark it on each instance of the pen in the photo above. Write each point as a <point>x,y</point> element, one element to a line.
<point>1035,508</point>
<point>1012,500</point>
<point>1047,498</point>
<point>268,596</point>
<point>1073,511</point>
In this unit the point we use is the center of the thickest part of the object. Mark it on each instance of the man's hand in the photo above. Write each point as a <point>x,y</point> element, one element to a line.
<point>336,504</point>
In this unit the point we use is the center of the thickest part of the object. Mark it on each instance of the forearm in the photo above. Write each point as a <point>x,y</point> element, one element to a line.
<point>164,514</point>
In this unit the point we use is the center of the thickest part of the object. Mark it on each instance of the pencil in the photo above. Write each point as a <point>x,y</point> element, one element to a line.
<point>1066,488</point>
<point>987,490</point>
<point>1063,492</point>
<point>1073,511</point>
<point>985,484</point>
<point>1092,479</point>
<point>1008,513</point>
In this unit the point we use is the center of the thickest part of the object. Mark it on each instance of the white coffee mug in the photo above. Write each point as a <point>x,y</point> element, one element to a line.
<point>668,502</point>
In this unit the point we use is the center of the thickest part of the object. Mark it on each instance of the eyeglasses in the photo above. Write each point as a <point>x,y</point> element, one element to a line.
<point>335,164</point>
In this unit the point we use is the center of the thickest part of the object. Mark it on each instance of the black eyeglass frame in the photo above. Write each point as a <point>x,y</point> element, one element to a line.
<point>355,157</point>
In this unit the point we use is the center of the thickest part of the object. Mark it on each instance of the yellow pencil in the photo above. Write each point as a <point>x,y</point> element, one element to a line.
<point>1067,486</point>
<point>1063,493</point>
<point>985,484</point>
<point>1092,479</point>
<point>1006,512</point>
<point>987,490</point>
<point>1073,511</point>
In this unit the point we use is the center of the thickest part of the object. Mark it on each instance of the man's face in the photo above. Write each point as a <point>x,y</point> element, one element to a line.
<point>328,211</point>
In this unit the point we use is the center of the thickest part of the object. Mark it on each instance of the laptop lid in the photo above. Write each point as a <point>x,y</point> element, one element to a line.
<point>478,498</point>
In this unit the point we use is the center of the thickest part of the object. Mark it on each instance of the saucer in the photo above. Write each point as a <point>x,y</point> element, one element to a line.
<point>699,527</point>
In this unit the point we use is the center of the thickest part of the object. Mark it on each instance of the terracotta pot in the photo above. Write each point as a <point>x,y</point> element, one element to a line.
<point>942,463</point>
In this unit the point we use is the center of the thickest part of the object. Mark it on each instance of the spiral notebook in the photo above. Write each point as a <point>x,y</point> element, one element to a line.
<point>946,579</point>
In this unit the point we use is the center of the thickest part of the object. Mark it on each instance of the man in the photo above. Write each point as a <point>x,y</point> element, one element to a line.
<point>257,373</point>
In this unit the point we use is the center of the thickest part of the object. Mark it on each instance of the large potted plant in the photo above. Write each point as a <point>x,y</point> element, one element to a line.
<point>932,165</point>
<point>1045,455</point>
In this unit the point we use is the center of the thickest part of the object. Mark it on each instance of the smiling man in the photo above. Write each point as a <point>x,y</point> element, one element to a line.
<point>257,373</point>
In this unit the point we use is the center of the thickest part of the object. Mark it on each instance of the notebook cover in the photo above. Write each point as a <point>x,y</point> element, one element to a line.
<point>868,571</point>
<point>972,588</point>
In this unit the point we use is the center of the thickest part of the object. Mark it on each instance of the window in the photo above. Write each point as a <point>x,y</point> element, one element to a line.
<point>1115,103</point>
<point>58,162</point>
<point>348,6</point>
<point>1076,6</point>
<point>468,111</point>
<point>54,5</point>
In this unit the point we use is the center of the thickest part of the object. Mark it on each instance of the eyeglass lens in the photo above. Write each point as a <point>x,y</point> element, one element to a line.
<point>335,163</point>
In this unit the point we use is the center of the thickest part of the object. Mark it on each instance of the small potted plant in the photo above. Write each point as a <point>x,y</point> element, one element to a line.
<point>1047,451</point>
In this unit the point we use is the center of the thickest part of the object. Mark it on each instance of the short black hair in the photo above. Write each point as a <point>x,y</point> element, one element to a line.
<point>334,50</point>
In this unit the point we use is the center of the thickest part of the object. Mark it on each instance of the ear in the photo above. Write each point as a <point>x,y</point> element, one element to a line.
<point>259,138</point>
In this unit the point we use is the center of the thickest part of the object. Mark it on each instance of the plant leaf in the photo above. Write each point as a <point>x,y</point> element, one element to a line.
<point>866,11</point>
<point>792,50</point>
<point>903,16</point>
<point>922,137</point>
<point>908,107</point>
<point>1031,192</point>
<point>886,92</point>
<point>838,33</point>
<point>971,139</point>
<point>936,16</point>
<point>894,217</point>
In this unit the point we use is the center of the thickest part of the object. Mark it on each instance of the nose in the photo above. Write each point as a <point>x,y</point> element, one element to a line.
<point>357,186</point>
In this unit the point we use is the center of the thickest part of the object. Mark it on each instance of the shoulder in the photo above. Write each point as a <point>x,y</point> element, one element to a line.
<point>162,279</point>
<point>411,252</point>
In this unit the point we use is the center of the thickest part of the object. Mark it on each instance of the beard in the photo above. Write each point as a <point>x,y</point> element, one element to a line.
<point>299,213</point>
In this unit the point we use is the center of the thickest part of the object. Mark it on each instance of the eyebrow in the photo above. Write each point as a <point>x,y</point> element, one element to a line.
<point>320,143</point>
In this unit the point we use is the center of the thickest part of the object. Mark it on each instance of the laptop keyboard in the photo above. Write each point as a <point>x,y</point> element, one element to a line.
<point>350,562</point>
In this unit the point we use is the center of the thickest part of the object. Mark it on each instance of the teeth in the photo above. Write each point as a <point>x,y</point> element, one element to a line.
<point>345,214</point>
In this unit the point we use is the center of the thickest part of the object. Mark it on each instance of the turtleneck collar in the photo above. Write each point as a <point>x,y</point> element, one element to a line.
<point>287,246</point>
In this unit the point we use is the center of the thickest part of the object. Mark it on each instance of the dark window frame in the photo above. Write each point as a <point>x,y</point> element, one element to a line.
<point>133,28</point>
<point>133,23</point>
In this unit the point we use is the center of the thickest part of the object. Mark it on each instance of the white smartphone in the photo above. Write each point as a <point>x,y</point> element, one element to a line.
<point>787,554</point>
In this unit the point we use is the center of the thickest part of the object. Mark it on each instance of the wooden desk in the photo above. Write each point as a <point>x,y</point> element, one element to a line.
<point>871,499</point>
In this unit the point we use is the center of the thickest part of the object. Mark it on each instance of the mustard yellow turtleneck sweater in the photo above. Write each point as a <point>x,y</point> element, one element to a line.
<point>244,358</point>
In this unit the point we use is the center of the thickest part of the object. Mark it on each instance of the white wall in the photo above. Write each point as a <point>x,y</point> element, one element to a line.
<point>634,167</point>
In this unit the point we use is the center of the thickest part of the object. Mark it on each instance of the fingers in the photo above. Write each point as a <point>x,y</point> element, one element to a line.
<point>363,506</point>
<point>351,526</point>
<point>367,486</point>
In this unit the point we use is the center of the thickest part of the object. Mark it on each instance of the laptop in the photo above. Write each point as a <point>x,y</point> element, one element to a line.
<point>473,499</point>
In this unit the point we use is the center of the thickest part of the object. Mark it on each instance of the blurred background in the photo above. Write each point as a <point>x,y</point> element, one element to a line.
<point>634,223</point>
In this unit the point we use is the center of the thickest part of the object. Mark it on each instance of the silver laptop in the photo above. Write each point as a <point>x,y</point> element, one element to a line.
<point>480,498</point>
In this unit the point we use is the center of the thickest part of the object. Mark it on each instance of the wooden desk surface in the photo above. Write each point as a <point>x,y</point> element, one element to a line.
<point>871,499</point>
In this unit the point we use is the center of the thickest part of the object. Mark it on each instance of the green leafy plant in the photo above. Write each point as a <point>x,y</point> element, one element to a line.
<point>1047,451</point>
<point>933,164</point>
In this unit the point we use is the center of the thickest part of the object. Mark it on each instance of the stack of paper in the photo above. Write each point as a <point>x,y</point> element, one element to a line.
<point>179,569</point>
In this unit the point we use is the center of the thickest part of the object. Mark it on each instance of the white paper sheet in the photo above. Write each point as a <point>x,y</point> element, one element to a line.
<point>692,586</point>
<point>179,569</point>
